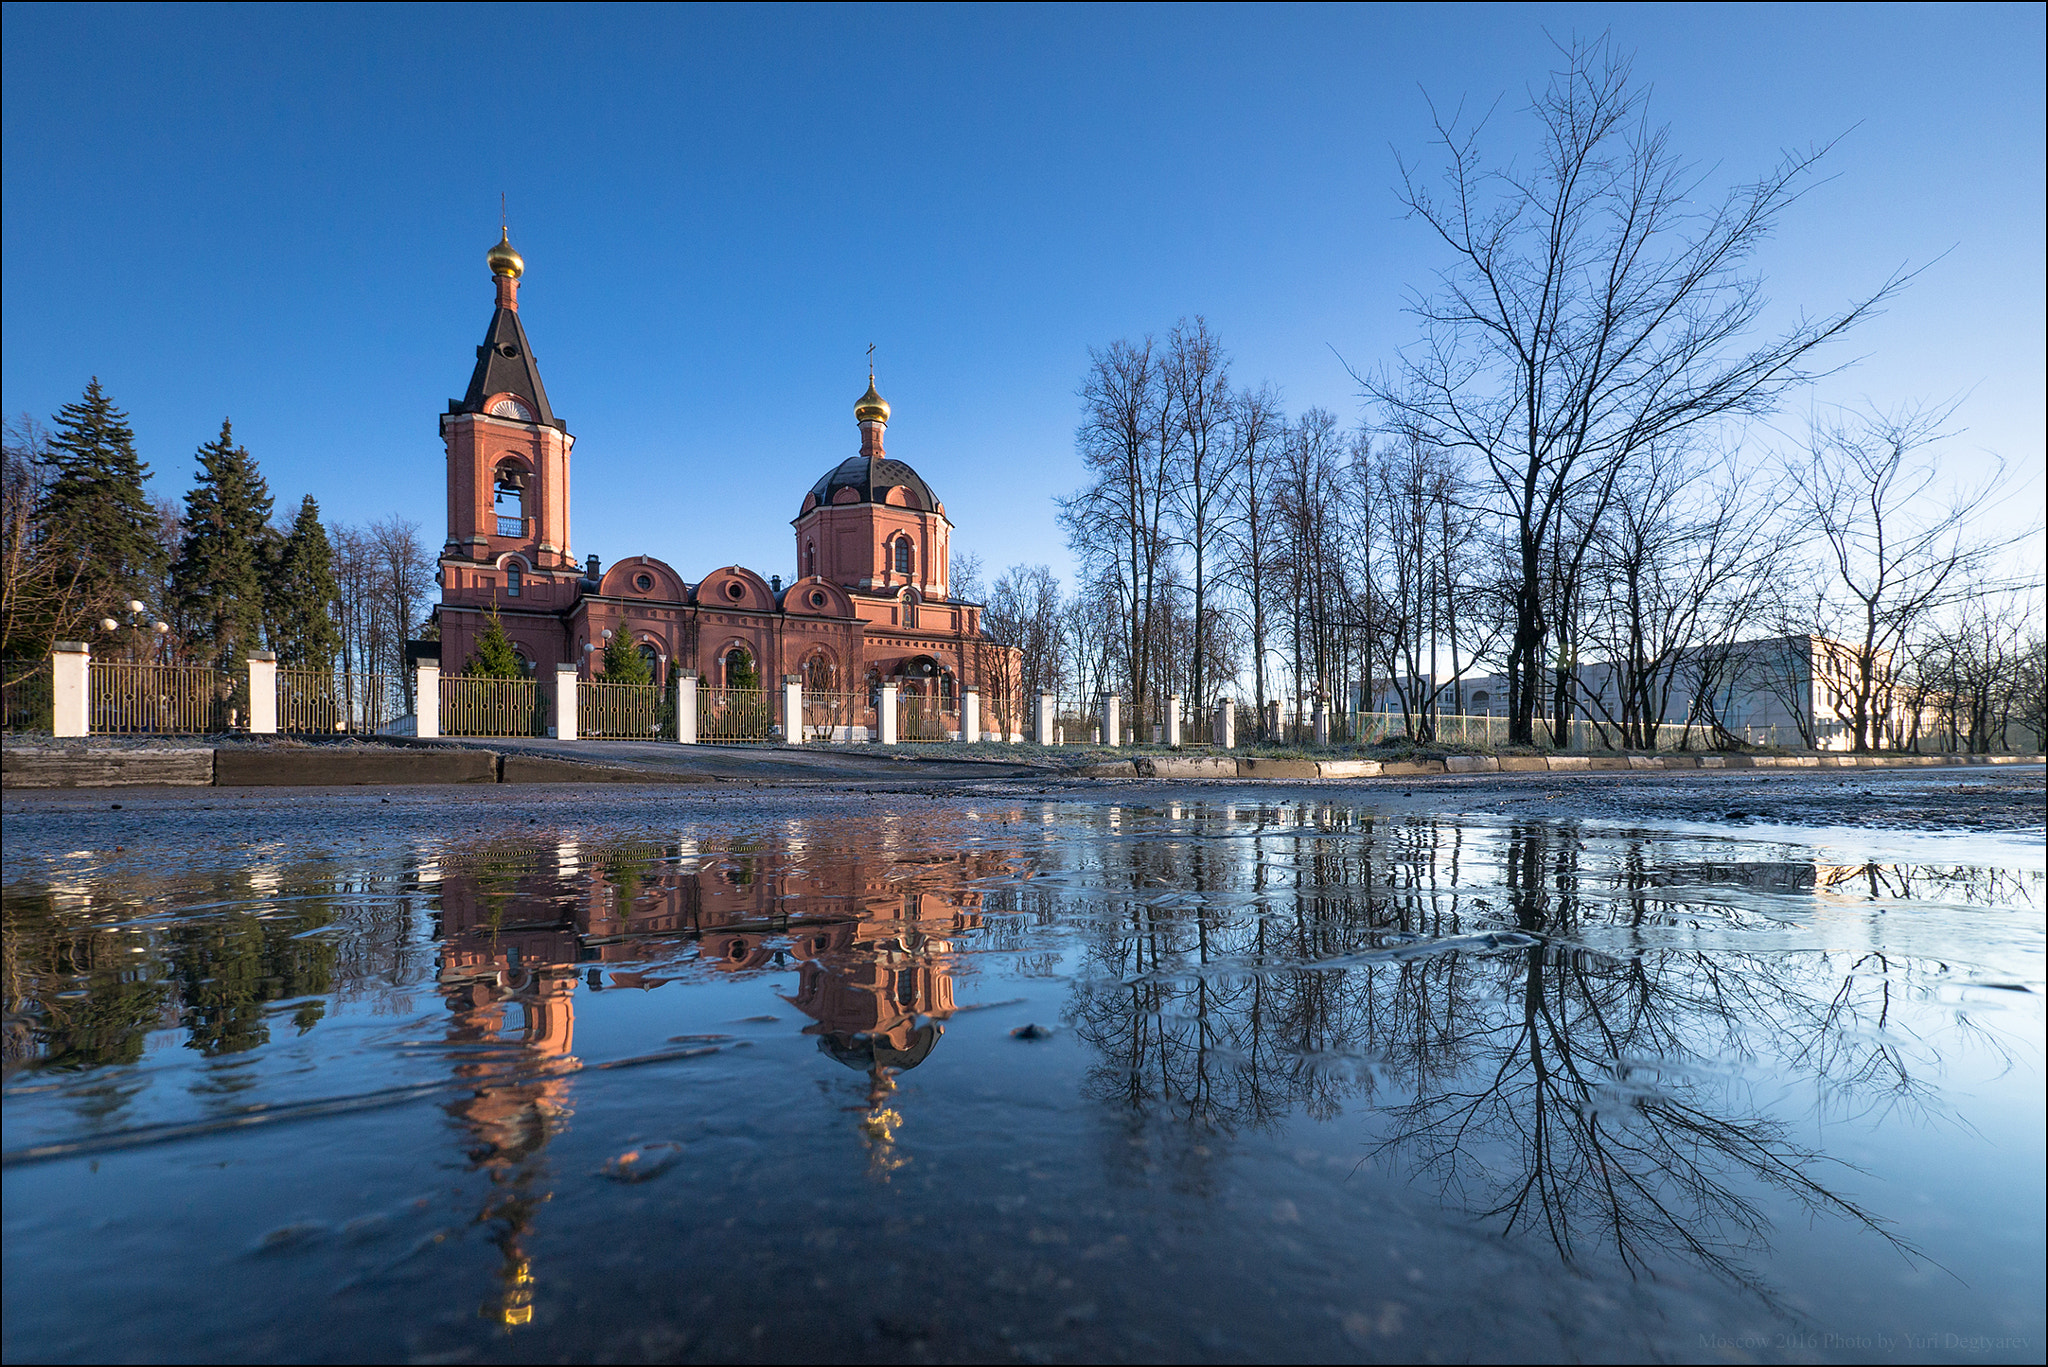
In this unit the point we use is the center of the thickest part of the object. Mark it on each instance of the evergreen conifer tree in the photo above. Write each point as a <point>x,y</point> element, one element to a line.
<point>741,673</point>
<point>302,595</point>
<point>219,578</point>
<point>494,657</point>
<point>94,514</point>
<point>623,662</point>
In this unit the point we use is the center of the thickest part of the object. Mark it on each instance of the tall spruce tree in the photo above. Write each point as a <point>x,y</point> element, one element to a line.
<point>302,594</point>
<point>219,578</point>
<point>95,516</point>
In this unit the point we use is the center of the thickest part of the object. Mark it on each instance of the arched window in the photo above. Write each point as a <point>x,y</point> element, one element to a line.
<point>902,555</point>
<point>810,559</point>
<point>512,581</point>
<point>818,673</point>
<point>652,659</point>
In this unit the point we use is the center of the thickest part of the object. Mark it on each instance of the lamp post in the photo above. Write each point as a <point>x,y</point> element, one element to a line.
<point>136,615</point>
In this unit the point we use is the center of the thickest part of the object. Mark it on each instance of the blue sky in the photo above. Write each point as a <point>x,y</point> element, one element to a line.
<point>280,215</point>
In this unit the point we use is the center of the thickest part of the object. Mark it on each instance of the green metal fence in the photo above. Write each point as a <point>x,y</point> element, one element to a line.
<point>726,715</point>
<point>492,707</point>
<point>320,702</point>
<point>615,711</point>
<point>152,699</point>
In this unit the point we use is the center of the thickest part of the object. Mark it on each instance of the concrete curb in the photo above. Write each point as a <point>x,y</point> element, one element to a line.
<point>428,763</point>
<point>350,768</point>
<point>1306,770</point>
<point>81,768</point>
<point>37,767</point>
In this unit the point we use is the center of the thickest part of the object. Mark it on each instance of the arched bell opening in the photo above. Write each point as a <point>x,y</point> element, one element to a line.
<point>510,483</point>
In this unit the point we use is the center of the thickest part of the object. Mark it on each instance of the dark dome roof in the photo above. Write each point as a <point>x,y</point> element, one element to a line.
<point>869,478</point>
<point>863,1052</point>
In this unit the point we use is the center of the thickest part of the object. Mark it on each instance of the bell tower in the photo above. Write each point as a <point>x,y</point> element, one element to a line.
<point>508,463</point>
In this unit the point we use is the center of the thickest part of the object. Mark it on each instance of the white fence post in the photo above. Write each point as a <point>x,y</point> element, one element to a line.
<point>1112,717</point>
<point>1173,720</point>
<point>886,714</point>
<point>1226,723</point>
<point>427,700</point>
<point>262,692</point>
<point>70,688</point>
<point>1322,722</point>
<point>686,707</point>
<point>1042,730</point>
<point>566,714</point>
<point>793,709</point>
<point>970,716</point>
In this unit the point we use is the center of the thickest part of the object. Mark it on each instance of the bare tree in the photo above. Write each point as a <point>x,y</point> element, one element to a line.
<point>1682,560</point>
<point>1197,377</point>
<point>1025,611</point>
<point>1896,544</point>
<point>1593,310</point>
<point>40,601</point>
<point>1116,525</point>
<point>1251,556</point>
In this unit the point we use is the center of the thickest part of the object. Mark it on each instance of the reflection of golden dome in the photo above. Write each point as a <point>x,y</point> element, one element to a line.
<point>503,260</point>
<point>872,406</point>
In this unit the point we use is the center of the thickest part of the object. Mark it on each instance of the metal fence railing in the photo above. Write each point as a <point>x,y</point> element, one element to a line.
<point>926,719</point>
<point>735,714</point>
<point>323,702</point>
<point>27,698</point>
<point>491,707</point>
<point>622,711</point>
<point>153,699</point>
<point>837,717</point>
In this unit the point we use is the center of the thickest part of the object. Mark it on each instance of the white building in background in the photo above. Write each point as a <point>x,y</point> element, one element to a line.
<point>1785,690</point>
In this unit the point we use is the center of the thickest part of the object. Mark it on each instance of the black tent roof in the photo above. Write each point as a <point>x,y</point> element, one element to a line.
<point>505,365</point>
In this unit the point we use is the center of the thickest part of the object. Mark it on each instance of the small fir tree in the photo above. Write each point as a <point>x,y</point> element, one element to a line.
<point>303,593</point>
<point>740,671</point>
<point>494,657</point>
<point>94,514</point>
<point>623,662</point>
<point>223,564</point>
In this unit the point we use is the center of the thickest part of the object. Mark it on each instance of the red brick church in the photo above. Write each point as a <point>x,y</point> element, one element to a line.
<point>868,602</point>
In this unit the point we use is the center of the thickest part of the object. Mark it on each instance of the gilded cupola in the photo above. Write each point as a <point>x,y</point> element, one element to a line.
<point>872,407</point>
<point>505,261</point>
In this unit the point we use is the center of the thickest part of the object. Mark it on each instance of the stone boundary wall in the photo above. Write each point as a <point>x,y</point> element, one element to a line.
<point>1215,766</point>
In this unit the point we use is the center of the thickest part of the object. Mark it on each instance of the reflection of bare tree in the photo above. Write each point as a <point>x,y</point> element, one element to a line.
<point>1580,1095</point>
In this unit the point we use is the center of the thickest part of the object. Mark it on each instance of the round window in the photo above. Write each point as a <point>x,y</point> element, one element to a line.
<point>643,582</point>
<point>735,590</point>
<point>817,599</point>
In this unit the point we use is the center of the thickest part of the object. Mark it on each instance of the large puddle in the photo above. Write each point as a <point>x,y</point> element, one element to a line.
<point>1034,1080</point>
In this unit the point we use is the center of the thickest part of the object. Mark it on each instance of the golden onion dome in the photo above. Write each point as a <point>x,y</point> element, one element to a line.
<point>503,260</point>
<point>872,406</point>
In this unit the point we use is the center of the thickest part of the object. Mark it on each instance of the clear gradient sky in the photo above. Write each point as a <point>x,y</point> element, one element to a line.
<point>280,215</point>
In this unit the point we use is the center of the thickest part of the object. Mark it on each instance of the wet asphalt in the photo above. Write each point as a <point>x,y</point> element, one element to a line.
<point>187,826</point>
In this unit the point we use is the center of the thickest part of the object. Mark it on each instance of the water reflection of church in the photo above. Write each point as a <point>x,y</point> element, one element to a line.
<point>869,937</point>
